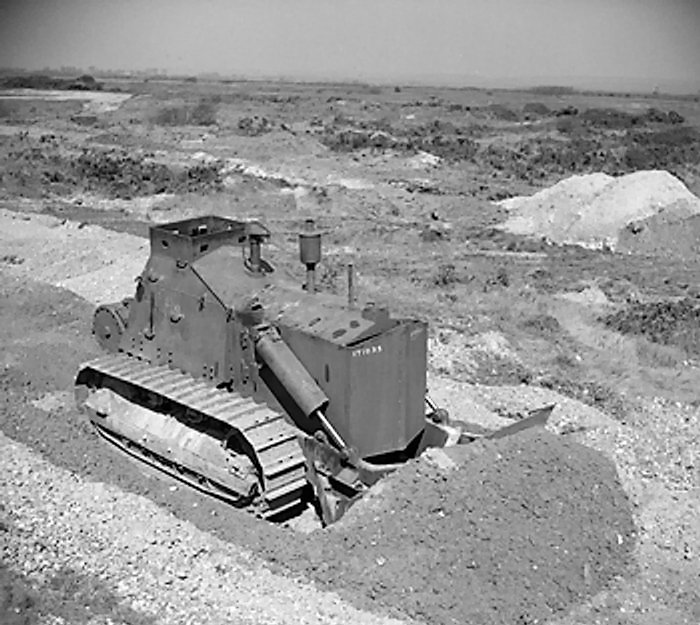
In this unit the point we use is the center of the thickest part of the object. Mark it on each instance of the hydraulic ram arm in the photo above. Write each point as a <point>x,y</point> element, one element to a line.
<point>296,379</point>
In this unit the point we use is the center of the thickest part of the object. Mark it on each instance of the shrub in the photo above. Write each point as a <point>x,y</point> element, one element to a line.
<point>536,108</point>
<point>445,275</point>
<point>502,113</point>
<point>254,126</point>
<point>201,114</point>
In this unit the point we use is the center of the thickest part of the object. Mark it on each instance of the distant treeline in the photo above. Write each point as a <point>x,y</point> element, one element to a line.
<point>553,90</point>
<point>41,81</point>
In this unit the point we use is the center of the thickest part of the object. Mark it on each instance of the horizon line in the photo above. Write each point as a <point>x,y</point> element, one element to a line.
<point>445,80</point>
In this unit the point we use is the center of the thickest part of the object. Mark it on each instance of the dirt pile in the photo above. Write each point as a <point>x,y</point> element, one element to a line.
<point>593,210</point>
<point>508,531</point>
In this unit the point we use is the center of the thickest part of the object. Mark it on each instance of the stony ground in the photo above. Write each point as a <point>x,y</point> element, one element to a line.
<point>516,324</point>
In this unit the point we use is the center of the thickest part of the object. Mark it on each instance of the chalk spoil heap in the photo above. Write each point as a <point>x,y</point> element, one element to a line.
<point>642,212</point>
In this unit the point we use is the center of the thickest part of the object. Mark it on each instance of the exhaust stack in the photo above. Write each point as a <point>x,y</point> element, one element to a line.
<point>351,286</point>
<point>255,255</point>
<point>310,253</point>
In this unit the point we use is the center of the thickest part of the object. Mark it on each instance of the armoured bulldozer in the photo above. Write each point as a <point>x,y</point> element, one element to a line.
<point>253,385</point>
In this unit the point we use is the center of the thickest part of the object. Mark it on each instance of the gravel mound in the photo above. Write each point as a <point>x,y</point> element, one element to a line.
<point>507,531</point>
<point>592,210</point>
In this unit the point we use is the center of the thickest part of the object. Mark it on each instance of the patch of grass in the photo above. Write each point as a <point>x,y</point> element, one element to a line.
<point>203,113</point>
<point>542,324</point>
<point>664,322</point>
<point>655,355</point>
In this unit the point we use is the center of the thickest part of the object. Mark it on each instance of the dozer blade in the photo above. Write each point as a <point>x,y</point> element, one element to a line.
<point>220,442</point>
<point>540,416</point>
<point>537,417</point>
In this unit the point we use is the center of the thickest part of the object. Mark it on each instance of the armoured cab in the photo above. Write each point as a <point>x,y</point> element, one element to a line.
<point>177,318</point>
<point>209,305</point>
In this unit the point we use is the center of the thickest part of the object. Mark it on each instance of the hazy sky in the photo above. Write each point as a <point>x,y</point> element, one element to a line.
<point>582,42</point>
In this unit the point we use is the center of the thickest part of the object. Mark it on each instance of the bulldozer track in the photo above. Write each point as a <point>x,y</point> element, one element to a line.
<point>277,453</point>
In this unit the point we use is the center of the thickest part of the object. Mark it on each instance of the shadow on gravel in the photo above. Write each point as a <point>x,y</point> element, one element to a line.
<point>79,598</point>
<point>19,603</point>
<point>70,595</point>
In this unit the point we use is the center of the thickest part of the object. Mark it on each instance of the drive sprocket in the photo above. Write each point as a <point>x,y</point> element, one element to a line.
<point>109,324</point>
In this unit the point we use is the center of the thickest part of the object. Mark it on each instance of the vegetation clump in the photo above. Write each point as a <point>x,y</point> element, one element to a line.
<point>203,113</point>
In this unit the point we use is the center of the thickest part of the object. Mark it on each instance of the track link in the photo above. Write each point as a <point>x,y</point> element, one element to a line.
<point>275,448</point>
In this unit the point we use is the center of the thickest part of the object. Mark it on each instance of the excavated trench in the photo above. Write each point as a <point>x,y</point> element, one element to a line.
<point>515,531</point>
